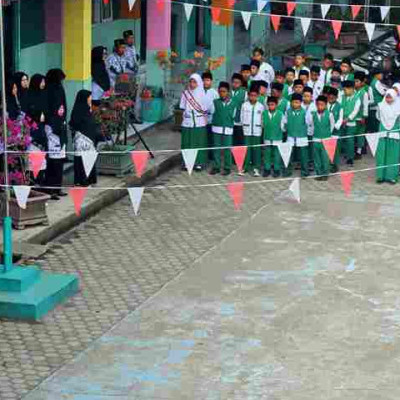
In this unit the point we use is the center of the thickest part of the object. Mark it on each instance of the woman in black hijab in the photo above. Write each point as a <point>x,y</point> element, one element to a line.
<point>55,90</point>
<point>100,78</point>
<point>86,134</point>
<point>13,105</point>
<point>22,81</point>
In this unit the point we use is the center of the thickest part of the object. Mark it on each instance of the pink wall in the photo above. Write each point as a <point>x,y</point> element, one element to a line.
<point>158,25</point>
<point>54,20</point>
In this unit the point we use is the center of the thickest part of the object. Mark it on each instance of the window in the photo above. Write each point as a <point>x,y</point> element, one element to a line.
<point>102,11</point>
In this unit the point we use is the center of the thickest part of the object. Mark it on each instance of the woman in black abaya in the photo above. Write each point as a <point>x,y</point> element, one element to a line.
<point>22,81</point>
<point>100,78</point>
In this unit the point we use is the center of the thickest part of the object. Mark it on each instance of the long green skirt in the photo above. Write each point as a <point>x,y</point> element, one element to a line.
<point>195,138</point>
<point>387,158</point>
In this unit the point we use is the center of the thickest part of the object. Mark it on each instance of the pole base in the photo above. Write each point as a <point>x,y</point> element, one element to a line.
<point>29,294</point>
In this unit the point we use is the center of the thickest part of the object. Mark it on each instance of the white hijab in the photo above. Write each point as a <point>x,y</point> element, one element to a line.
<point>199,94</point>
<point>388,113</point>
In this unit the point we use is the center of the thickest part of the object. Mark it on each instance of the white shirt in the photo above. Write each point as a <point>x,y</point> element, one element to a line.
<point>317,87</point>
<point>297,70</point>
<point>211,94</point>
<point>191,117</point>
<point>251,118</point>
<point>268,72</point>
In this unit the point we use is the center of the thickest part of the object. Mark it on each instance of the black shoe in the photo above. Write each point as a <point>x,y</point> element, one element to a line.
<point>334,169</point>
<point>350,163</point>
<point>62,194</point>
<point>226,172</point>
<point>277,174</point>
<point>324,178</point>
<point>379,181</point>
<point>358,157</point>
<point>214,171</point>
<point>318,178</point>
<point>266,173</point>
<point>54,197</point>
<point>198,168</point>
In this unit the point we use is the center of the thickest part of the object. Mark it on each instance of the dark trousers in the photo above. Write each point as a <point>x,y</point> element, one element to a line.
<point>80,178</point>
<point>238,137</point>
<point>54,174</point>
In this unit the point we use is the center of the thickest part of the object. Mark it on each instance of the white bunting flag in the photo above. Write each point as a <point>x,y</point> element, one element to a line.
<point>324,9</point>
<point>384,12</point>
<point>295,189</point>
<point>261,4</point>
<point>305,24</point>
<point>373,140</point>
<point>286,151</point>
<point>135,194</point>
<point>89,159</point>
<point>370,28</point>
<point>188,10</point>
<point>246,15</point>
<point>189,157</point>
<point>131,4</point>
<point>22,194</point>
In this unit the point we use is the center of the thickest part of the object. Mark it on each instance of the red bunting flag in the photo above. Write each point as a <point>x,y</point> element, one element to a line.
<point>276,20</point>
<point>347,179</point>
<point>236,191</point>
<point>239,154</point>
<point>330,147</point>
<point>290,7</point>
<point>36,160</point>
<point>106,1</point>
<point>139,160</point>
<point>355,10</point>
<point>337,27</point>
<point>215,14</point>
<point>160,5</point>
<point>78,194</point>
<point>231,3</point>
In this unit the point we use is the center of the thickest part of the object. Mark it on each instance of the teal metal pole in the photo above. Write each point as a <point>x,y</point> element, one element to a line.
<point>7,244</point>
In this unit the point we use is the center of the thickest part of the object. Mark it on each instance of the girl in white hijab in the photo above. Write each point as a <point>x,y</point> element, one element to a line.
<point>388,151</point>
<point>195,106</point>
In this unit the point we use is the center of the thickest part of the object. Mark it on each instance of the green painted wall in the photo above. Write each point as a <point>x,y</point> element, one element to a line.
<point>40,58</point>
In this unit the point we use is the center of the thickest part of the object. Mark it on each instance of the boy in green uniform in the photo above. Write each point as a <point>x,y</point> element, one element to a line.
<point>280,77</point>
<point>238,95</point>
<point>347,70</point>
<point>378,92</point>
<point>351,106</point>
<point>251,118</point>
<point>304,76</point>
<point>336,83</point>
<point>309,106</point>
<point>336,110</point>
<point>273,121</point>
<point>296,126</point>
<point>299,65</point>
<point>288,89</point>
<point>327,65</point>
<point>361,120</point>
<point>276,91</point>
<point>298,86</point>
<point>224,110</point>
<point>245,71</point>
<point>322,124</point>
<point>262,90</point>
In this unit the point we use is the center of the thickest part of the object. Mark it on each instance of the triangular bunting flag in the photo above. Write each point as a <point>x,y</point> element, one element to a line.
<point>139,160</point>
<point>347,179</point>
<point>370,28</point>
<point>88,160</point>
<point>295,189</point>
<point>305,24</point>
<point>131,4</point>
<point>160,5</point>
<point>135,194</point>
<point>78,194</point>
<point>330,147</point>
<point>36,160</point>
<point>337,27</point>
<point>355,10</point>
<point>290,7</point>
<point>239,154</point>
<point>384,11</point>
<point>276,20</point>
<point>236,191</point>
<point>286,151</point>
<point>215,14</point>
<point>188,10</point>
<point>246,15</point>
<point>325,9</point>
<point>261,4</point>
<point>373,140</point>
<point>22,194</point>
<point>189,157</point>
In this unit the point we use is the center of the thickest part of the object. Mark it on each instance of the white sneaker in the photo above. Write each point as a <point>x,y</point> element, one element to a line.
<point>241,173</point>
<point>256,172</point>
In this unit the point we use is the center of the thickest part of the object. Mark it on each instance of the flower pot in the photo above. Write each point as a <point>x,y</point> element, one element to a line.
<point>152,110</point>
<point>116,164</point>
<point>178,118</point>
<point>35,212</point>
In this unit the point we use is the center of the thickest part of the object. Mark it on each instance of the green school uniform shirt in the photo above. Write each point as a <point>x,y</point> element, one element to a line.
<point>348,105</point>
<point>335,109</point>
<point>239,97</point>
<point>322,126</point>
<point>272,123</point>
<point>261,99</point>
<point>285,92</point>
<point>377,95</point>
<point>282,105</point>
<point>296,123</point>
<point>224,113</point>
<point>348,77</point>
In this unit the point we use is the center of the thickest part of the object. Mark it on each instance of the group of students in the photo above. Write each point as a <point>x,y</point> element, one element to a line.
<point>262,109</point>
<point>41,100</point>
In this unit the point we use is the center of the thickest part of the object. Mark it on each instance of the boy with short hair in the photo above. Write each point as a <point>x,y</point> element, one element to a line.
<point>245,71</point>
<point>346,70</point>
<point>299,64</point>
<point>277,93</point>
<point>327,65</point>
<point>336,110</point>
<point>266,70</point>
<point>298,86</point>
<point>273,125</point>
<point>251,118</point>
<point>304,76</point>
<point>280,77</point>
<point>351,105</point>
<point>378,93</point>
<point>336,73</point>
<point>315,82</point>
<point>239,95</point>
<point>262,89</point>
<point>255,71</point>
<point>296,126</point>
<point>322,124</point>
<point>361,120</point>
<point>309,106</point>
<point>224,110</point>
<point>288,89</point>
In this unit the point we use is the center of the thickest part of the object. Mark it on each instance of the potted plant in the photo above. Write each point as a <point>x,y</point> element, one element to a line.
<point>113,116</point>
<point>18,140</point>
<point>152,104</point>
